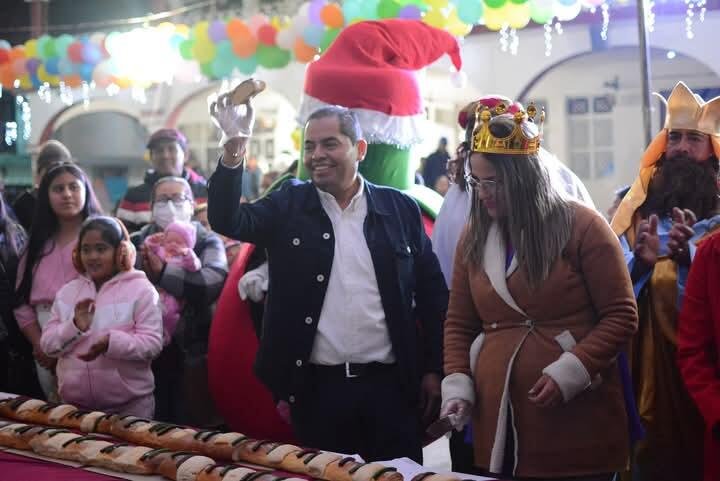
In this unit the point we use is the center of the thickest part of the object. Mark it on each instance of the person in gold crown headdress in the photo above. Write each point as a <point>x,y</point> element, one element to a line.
<point>670,208</point>
<point>541,305</point>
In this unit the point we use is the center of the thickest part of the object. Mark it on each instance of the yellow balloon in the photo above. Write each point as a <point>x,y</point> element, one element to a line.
<point>54,80</point>
<point>25,82</point>
<point>518,16</point>
<point>42,74</point>
<point>182,29</point>
<point>296,137</point>
<point>495,18</point>
<point>456,26</point>
<point>435,18</point>
<point>31,48</point>
<point>436,3</point>
<point>201,31</point>
<point>166,27</point>
<point>203,51</point>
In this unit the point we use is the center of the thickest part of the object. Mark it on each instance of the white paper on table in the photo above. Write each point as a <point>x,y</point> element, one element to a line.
<point>409,469</point>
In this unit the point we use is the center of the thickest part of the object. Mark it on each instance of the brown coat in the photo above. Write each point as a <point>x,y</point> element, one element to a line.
<point>589,294</point>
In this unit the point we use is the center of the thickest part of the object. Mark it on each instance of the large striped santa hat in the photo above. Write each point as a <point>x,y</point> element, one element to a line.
<point>371,69</point>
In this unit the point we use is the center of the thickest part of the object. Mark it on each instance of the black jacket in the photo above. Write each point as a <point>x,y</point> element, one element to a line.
<point>291,224</point>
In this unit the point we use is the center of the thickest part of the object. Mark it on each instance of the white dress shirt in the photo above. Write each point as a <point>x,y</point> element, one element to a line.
<point>352,326</point>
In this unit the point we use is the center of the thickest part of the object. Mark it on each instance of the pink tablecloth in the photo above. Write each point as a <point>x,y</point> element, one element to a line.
<point>14,467</point>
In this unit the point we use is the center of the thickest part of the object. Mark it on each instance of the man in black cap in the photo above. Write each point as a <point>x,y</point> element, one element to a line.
<point>168,151</point>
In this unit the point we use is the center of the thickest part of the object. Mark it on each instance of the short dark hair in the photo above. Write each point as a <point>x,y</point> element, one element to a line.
<point>349,123</point>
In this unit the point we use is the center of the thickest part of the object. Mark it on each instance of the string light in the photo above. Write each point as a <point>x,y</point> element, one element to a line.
<point>504,43</point>
<point>112,89</point>
<point>45,93</point>
<point>66,94</point>
<point>138,95</point>
<point>703,8</point>
<point>514,41</point>
<point>85,88</point>
<point>689,14</point>
<point>558,28</point>
<point>25,116</point>
<point>606,21</point>
<point>548,38</point>
<point>650,16</point>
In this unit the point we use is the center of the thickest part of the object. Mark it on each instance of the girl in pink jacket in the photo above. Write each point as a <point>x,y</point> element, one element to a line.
<point>105,326</point>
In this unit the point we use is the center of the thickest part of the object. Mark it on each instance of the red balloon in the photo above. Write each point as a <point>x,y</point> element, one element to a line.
<point>75,52</point>
<point>267,34</point>
<point>4,56</point>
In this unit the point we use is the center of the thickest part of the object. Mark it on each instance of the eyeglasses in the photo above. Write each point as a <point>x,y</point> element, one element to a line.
<point>176,199</point>
<point>486,186</point>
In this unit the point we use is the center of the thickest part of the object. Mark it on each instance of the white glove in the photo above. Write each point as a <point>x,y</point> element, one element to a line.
<point>254,284</point>
<point>458,411</point>
<point>232,120</point>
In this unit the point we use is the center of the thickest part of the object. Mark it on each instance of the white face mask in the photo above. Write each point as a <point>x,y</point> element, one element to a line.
<point>164,213</point>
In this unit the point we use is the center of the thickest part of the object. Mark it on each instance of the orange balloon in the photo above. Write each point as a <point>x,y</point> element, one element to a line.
<point>7,76</point>
<point>238,30</point>
<point>17,53</point>
<point>246,47</point>
<point>72,80</point>
<point>332,16</point>
<point>304,52</point>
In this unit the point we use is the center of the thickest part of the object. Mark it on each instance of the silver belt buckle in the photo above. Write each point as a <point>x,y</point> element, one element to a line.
<point>347,371</point>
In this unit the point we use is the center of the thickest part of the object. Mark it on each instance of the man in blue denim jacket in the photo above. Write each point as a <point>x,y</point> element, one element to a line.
<point>352,334</point>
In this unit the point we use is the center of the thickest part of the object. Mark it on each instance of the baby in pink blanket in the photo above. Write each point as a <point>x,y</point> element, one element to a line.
<point>174,246</point>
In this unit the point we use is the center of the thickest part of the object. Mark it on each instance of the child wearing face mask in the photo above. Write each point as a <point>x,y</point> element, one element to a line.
<point>175,246</point>
<point>105,326</point>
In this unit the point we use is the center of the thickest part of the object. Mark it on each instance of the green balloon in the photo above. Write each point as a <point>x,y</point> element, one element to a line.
<point>221,68</point>
<point>541,14</point>
<point>206,69</point>
<point>494,3</point>
<point>271,56</point>
<point>62,43</point>
<point>186,49</point>
<point>388,9</point>
<point>224,52</point>
<point>328,38</point>
<point>247,65</point>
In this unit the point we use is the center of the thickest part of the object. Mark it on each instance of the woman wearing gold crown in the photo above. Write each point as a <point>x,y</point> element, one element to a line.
<point>541,305</point>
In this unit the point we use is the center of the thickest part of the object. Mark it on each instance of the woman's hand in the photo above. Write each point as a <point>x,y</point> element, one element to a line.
<point>546,393</point>
<point>96,349</point>
<point>458,411</point>
<point>84,314</point>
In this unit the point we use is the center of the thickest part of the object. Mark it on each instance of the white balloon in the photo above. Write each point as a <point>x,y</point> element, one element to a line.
<point>565,13</point>
<point>286,38</point>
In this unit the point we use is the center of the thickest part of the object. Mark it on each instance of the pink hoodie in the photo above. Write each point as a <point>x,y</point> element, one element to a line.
<point>127,308</point>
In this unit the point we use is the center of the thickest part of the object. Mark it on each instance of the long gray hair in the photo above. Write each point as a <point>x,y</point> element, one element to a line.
<point>537,219</point>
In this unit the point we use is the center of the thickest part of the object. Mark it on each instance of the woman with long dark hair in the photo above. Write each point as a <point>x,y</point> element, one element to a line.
<point>17,370</point>
<point>65,200</point>
<point>540,307</point>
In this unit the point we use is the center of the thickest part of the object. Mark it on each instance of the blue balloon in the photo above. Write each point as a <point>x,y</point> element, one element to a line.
<point>65,66</point>
<point>469,11</point>
<point>36,83</point>
<point>91,53</point>
<point>52,66</point>
<point>86,72</point>
<point>313,35</point>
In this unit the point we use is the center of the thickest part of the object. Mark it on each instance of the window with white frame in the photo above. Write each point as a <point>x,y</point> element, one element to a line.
<point>590,136</point>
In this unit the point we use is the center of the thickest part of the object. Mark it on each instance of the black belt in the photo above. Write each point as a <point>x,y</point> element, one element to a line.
<point>351,370</point>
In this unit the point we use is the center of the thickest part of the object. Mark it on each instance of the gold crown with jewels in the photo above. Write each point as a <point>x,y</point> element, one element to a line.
<point>517,142</point>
